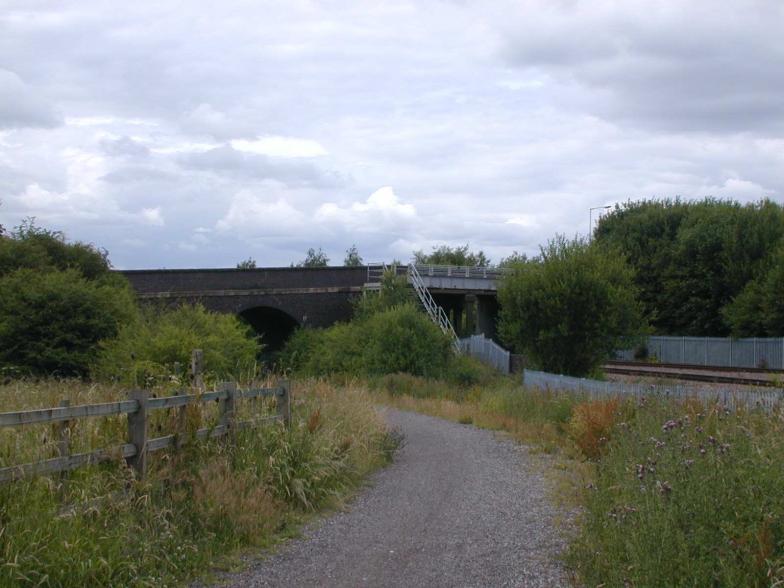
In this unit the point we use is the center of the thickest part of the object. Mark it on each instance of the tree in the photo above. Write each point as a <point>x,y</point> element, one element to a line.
<point>247,264</point>
<point>758,311</point>
<point>571,307</point>
<point>693,258</point>
<point>314,259</point>
<point>33,247</point>
<point>514,259</point>
<point>58,300</point>
<point>51,322</point>
<point>353,259</point>
<point>394,291</point>
<point>446,255</point>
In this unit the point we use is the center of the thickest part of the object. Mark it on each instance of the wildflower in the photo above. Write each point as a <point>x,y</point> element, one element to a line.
<point>698,429</point>
<point>664,488</point>
<point>702,450</point>
<point>640,471</point>
<point>669,425</point>
<point>724,448</point>
<point>688,463</point>
<point>711,439</point>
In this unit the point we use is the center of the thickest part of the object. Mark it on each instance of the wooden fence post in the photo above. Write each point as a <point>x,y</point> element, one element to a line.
<point>284,401</point>
<point>137,432</point>
<point>197,367</point>
<point>62,435</point>
<point>228,407</point>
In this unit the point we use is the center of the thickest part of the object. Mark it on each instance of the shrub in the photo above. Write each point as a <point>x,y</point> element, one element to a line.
<point>570,308</point>
<point>36,248</point>
<point>398,339</point>
<point>51,322</point>
<point>403,339</point>
<point>150,346</point>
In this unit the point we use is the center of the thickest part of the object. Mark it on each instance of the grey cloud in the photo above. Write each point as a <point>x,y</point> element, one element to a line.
<point>291,172</point>
<point>681,67</point>
<point>21,106</point>
<point>138,174</point>
<point>124,146</point>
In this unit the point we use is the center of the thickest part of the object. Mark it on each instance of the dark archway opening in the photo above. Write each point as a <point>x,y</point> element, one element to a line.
<point>274,326</point>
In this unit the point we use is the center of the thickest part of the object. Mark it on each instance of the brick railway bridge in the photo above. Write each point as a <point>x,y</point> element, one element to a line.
<point>274,301</point>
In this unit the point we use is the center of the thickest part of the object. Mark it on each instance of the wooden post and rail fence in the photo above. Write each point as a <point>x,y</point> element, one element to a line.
<point>137,407</point>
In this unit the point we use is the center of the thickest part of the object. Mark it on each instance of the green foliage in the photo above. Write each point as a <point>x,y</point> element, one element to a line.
<point>693,258</point>
<point>314,259</point>
<point>246,264</point>
<point>758,311</point>
<point>40,249</point>
<point>569,308</point>
<point>514,259</point>
<point>403,339</point>
<point>394,291</point>
<point>397,339</point>
<point>446,255</point>
<point>51,322</point>
<point>353,258</point>
<point>150,346</point>
<point>686,497</point>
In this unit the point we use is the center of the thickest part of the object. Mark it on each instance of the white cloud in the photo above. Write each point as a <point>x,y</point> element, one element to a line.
<point>381,212</point>
<point>153,216</point>
<point>256,215</point>
<point>280,147</point>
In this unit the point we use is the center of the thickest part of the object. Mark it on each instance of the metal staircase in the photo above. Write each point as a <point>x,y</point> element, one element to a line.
<point>434,311</point>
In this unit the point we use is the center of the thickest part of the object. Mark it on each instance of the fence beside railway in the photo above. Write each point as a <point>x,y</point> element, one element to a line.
<point>488,351</point>
<point>732,397</point>
<point>756,352</point>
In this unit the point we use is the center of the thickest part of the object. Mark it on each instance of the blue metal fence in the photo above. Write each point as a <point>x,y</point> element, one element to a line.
<point>716,351</point>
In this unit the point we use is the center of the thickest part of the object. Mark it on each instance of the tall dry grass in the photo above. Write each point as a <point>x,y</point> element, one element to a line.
<point>196,506</point>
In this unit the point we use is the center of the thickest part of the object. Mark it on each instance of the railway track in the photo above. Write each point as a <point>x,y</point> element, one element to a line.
<point>713,374</point>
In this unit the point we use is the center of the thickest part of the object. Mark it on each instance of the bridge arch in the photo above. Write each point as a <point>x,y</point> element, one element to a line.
<point>273,324</point>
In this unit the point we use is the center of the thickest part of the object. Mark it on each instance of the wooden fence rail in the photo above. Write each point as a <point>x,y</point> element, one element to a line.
<point>137,408</point>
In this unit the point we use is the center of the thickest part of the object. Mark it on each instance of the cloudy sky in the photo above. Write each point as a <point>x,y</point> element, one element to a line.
<point>200,133</point>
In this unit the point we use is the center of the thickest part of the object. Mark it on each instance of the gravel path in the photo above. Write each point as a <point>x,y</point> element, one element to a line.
<point>459,506</point>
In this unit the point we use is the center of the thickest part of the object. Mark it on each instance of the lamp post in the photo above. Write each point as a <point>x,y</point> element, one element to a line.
<point>590,219</point>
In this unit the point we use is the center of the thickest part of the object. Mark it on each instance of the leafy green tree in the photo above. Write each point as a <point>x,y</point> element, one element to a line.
<point>353,258</point>
<point>758,311</point>
<point>314,259</point>
<point>33,247</point>
<point>446,255</point>
<point>571,307</point>
<point>691,259</point>
<point>247,264</point>
<point>150,346</point>
<point>394,291</point>
<point>51,322</point>
<point>514,259</point>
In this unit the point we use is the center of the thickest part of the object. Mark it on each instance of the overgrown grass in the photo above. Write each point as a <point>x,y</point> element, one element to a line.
<point>671,493</point>
<point>686,496</point>
<point>196,506</point>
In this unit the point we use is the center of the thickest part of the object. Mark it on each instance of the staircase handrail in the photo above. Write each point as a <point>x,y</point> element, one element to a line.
<point>434,311</point>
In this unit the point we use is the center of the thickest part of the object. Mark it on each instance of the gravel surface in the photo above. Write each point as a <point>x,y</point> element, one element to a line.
<point>459,506</point>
